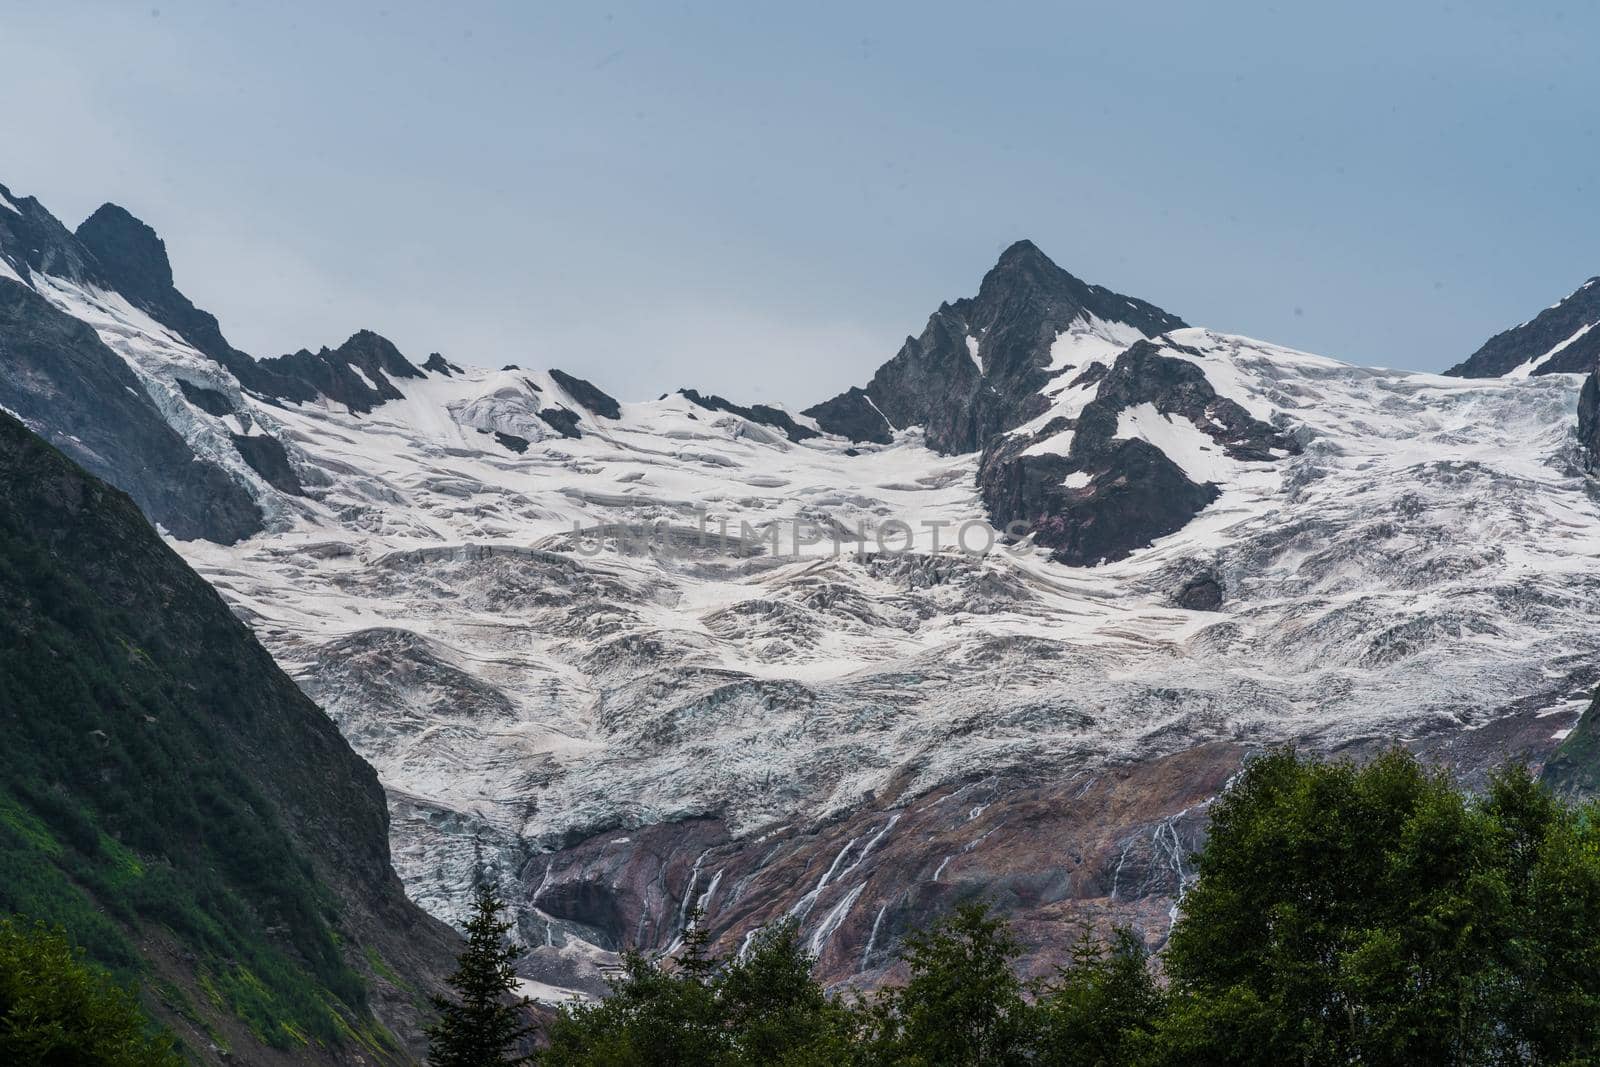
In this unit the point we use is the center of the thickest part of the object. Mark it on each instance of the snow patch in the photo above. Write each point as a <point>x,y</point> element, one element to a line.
<point>1201,458</point>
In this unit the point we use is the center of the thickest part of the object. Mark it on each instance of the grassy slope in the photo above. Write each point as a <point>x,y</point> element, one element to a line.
<point>173,800</point>
<point>1574,768</point>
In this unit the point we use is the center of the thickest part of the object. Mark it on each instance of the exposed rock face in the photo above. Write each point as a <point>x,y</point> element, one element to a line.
<point>1094,849</point>
<point>1589,422</point>
<point>585,393</point>
<point>1114,492</point>
<point>131,259</point>
<point>58,376</point>
<point>1563,339</point>
<point>982,363</point>
<point>852,414</point>
<point>561,420</point>
<point>1203,592</point>
<point>439,365</point>
<point>268,458</point>
<point>333,372</point>
<point>764,414</point>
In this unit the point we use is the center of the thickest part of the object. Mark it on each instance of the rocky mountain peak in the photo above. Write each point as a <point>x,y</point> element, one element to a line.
<point>1564,338</point>
<point>374,352</point>
<point>982,363</point>
<point>32,239</point>
<point>127,248</point>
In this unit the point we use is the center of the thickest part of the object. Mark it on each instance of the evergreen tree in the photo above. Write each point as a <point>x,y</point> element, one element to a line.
<point>963,1004</point>
<point>760,1009</point>
<point>483,1027</point>
<point>1100,1006</point>
<point>57,1009</point>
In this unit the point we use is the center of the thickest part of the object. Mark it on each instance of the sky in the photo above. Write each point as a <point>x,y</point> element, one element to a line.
<point>763,200</point>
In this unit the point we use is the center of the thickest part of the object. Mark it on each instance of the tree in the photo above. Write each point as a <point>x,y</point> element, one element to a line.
<point>1380,915</point>
<point>776,1012</point>
<point>963,1003</point>
<point>760,1009</point>
<point>57,1009</point>
<point>1100,1006</point>
<point>483,1028</point>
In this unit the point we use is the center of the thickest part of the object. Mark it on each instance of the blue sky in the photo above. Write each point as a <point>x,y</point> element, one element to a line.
<point>764,199</point>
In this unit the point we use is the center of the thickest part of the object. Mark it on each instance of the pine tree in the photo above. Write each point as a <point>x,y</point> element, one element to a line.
<point>483,1027</point>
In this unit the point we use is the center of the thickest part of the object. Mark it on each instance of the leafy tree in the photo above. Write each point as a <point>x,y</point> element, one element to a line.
<point>483,1027</point>
<point>963,1003</point>
<point>1379,915</point>
<point>57,1009</point>
<point>1099,1007</point>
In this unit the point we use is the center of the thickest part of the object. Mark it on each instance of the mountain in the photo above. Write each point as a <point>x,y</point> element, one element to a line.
<point>1001,623</point>
<point>988,363</point>
<point>1561,339</point>
<point>60,376</point>
<point>171,797</point>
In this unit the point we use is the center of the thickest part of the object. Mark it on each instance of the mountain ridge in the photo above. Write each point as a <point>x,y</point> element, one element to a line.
<point>981,363</point>
<point>1561,339</point>
<point>632,658</point>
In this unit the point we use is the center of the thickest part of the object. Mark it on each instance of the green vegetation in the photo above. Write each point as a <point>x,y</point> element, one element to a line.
<point>1343,915</point>
<point>1574,768</point>
<point>482,1028</point>
<point>57,1009</point>
<point>144,730</point>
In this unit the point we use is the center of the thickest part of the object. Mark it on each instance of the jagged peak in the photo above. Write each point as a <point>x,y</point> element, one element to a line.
<point>437,364</point>
<point>369,348</point>
<point>125,244</point>
<point>1560,339</point>
<point>1023,251</point>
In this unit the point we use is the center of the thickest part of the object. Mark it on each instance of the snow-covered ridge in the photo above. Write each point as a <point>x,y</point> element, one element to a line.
<point>547,694</point>
<point>457,584</point>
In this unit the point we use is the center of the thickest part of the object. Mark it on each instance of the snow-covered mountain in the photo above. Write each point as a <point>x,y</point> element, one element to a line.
<point>1000,623</point>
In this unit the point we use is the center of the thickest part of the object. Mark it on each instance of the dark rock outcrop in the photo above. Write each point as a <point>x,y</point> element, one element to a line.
<point>1573,324</point>
<point>764,414</point>
<point>1110,496</point>
<point>58,376</point>
<point>561,420</point>
<point>268,458</point>
<point>1049,856</point>
<point>512,442</point>
<point>1589,422</point>
<point>980,364</point>
<point>1203,592</point>
<point>439,365</point>
<point>585,393</point>
<point>851,414</point>
<point>333,372</point>
<point>207,400</point>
